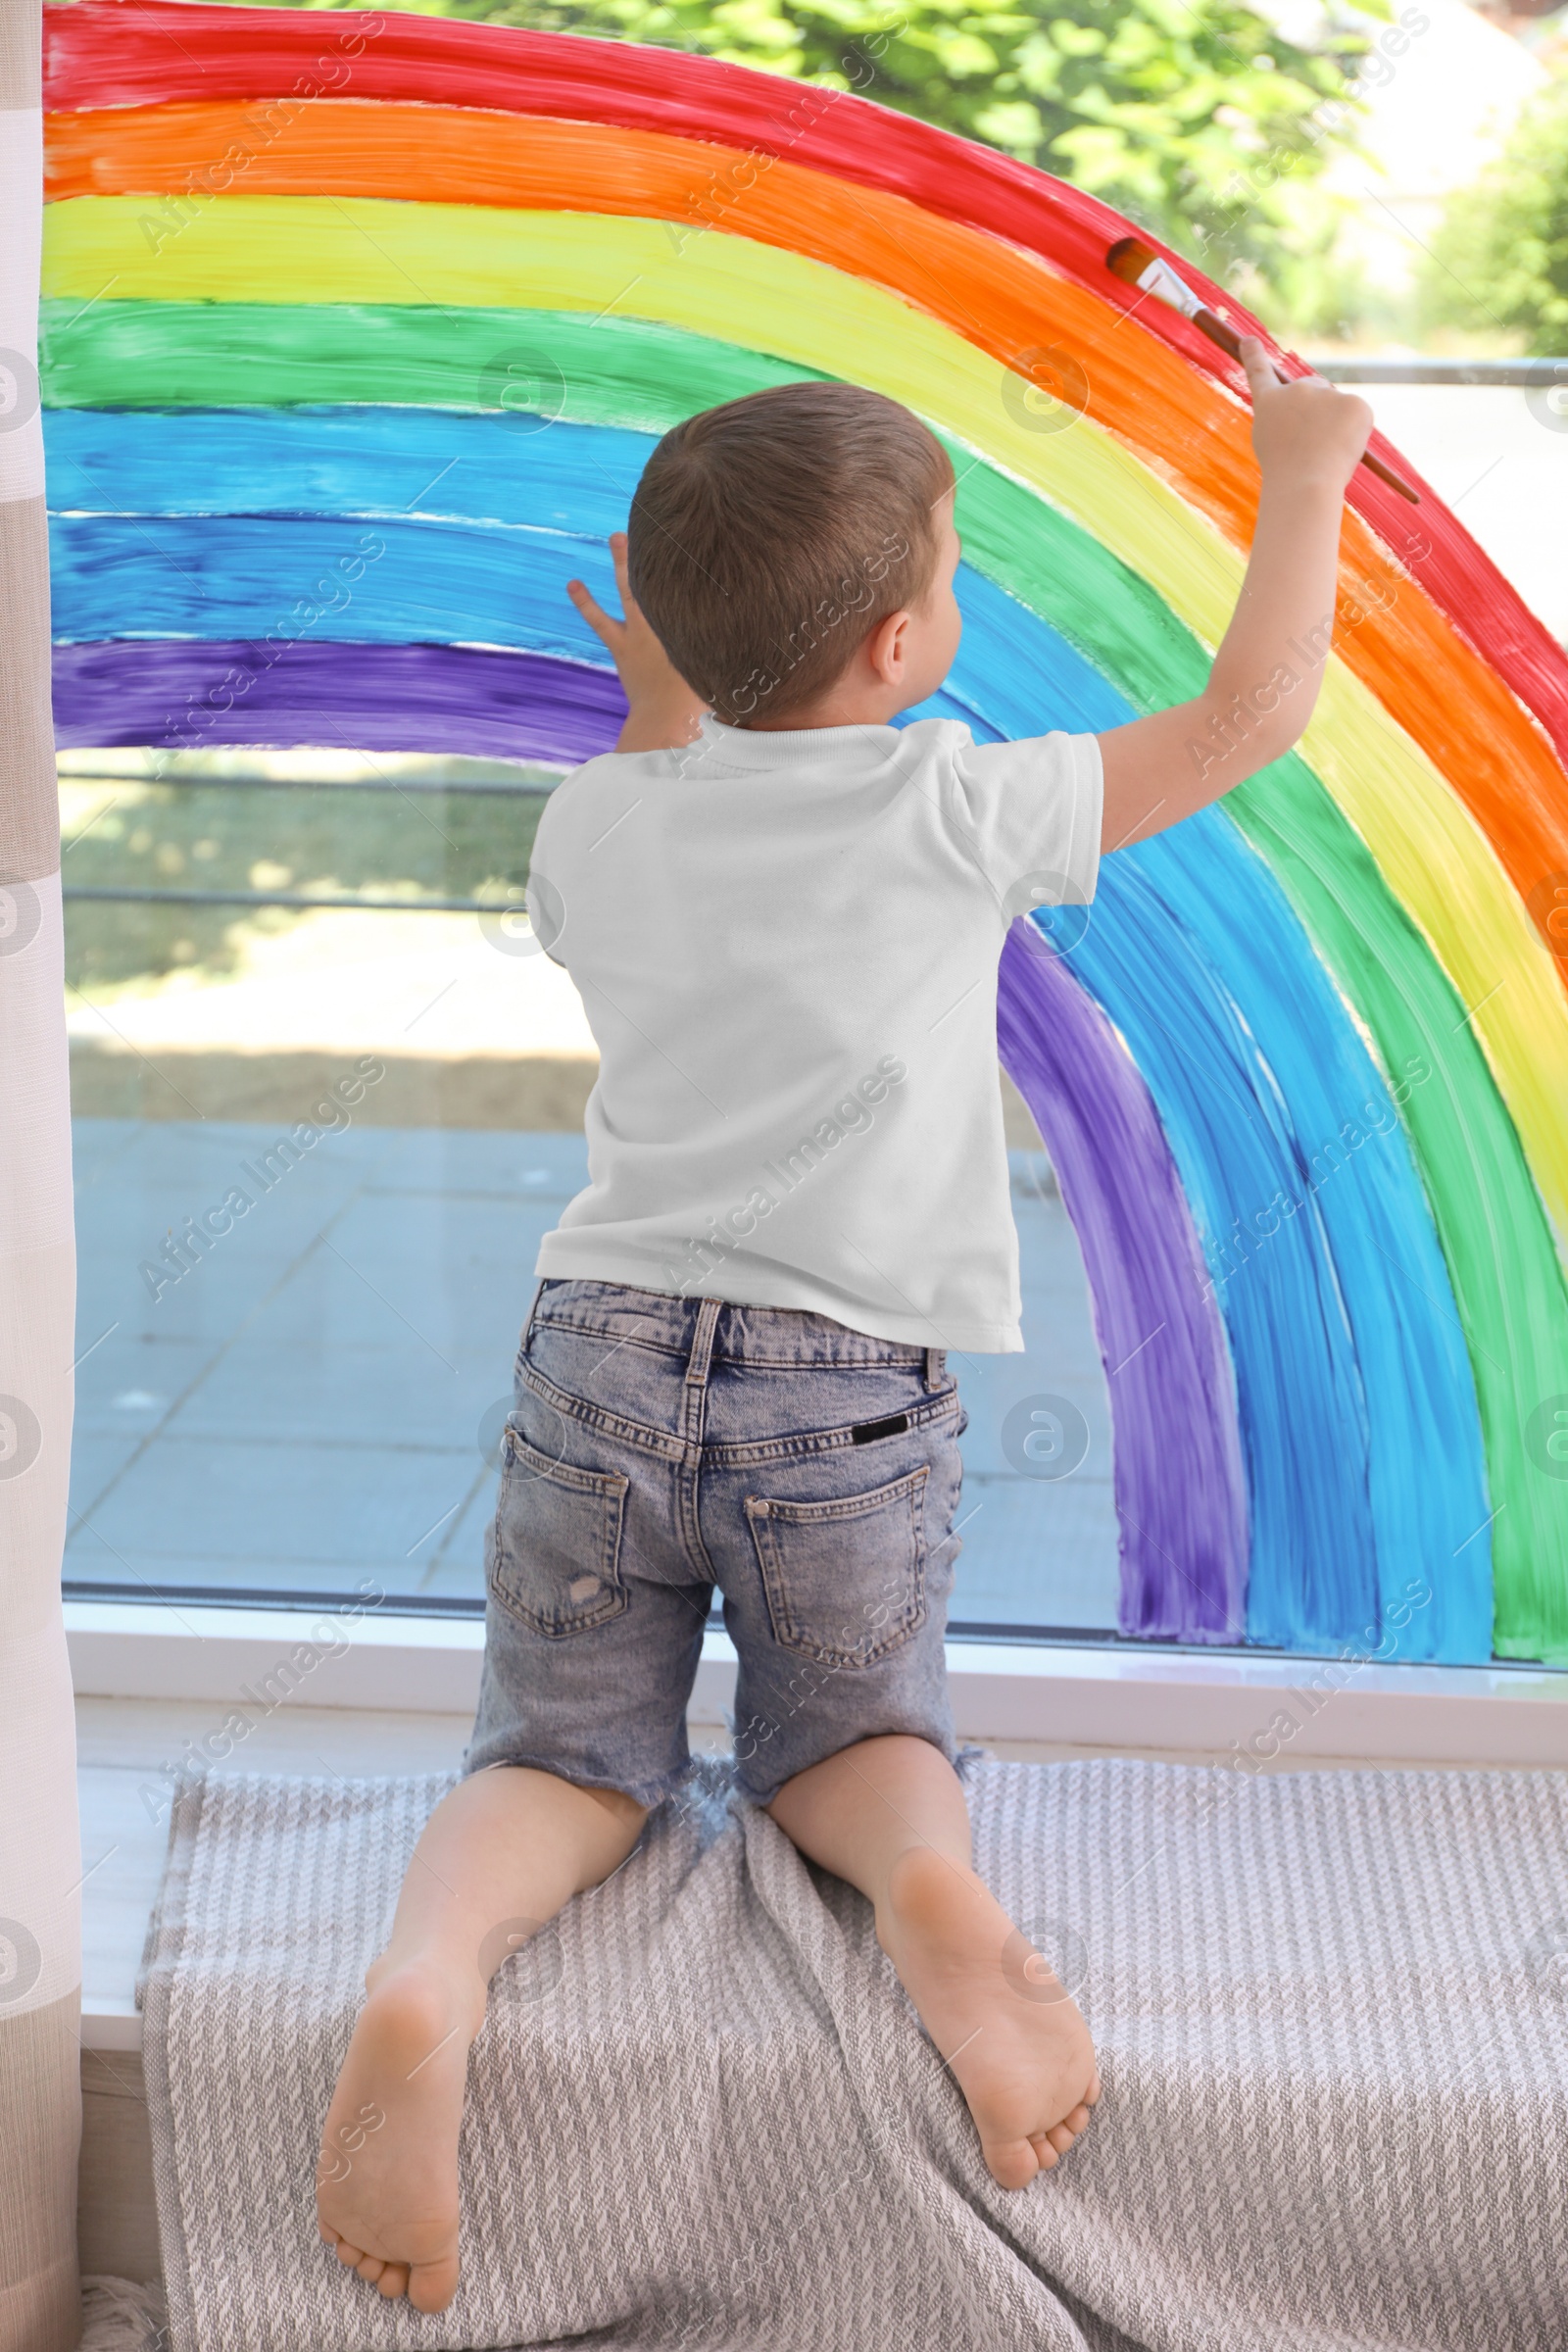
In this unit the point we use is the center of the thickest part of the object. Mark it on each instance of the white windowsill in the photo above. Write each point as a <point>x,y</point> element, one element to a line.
<point>1119,1697</point>
<point>205,1663</point>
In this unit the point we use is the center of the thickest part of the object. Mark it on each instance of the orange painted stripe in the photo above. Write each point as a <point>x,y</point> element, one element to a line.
<point>1493,755</point>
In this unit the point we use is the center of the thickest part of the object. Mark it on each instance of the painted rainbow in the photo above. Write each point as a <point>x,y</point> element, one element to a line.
<point>314,282</point>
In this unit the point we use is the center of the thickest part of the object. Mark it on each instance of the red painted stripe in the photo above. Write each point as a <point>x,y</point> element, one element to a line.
<point>141,52</point>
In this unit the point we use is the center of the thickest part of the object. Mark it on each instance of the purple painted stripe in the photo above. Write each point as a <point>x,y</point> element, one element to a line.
<point>1181,1497</point>
<point>186,693</point>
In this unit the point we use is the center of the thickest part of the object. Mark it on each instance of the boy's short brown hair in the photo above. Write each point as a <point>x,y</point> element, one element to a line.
<point>768,537</point>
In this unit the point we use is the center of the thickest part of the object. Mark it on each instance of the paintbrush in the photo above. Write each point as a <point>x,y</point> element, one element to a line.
<point>1140,266</point>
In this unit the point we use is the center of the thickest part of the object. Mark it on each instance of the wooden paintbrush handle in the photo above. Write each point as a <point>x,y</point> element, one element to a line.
<point>1229,341</point>
<point>1386,474</point>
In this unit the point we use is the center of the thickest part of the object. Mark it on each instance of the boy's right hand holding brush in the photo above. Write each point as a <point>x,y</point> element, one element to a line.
<point>1308,439</point>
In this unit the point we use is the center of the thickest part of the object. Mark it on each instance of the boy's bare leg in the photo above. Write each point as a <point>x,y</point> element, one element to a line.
<point>889,1816</point>
<point>496,1859</point>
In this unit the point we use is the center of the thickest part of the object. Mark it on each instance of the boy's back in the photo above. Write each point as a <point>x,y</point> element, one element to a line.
<point>787,944</point>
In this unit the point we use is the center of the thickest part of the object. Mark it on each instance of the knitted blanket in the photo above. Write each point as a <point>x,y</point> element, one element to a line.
<point>1333,2030</point>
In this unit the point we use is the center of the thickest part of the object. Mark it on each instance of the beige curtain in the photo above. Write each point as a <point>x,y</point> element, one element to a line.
<point>40,1941</point>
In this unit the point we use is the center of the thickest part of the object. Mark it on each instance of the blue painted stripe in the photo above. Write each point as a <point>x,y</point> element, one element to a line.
<point>388,461</point>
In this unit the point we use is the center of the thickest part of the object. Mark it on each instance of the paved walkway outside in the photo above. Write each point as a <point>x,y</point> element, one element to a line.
<point>308,1405</point>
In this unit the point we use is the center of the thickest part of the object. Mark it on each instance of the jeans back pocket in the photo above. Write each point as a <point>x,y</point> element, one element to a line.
<point>845,1578</point>
<point>554,1549</point>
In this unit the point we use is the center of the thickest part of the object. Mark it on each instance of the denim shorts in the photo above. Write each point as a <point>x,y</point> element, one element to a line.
<point>662,1448</point>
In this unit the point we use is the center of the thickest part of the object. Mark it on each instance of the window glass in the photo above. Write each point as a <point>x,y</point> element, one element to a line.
<point>326,1101</point>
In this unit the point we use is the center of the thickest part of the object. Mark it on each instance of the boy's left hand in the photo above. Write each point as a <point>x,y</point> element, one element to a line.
<point>662,712</point>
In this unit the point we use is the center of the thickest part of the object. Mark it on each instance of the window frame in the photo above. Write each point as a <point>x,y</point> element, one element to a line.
<point>1242,1711</point>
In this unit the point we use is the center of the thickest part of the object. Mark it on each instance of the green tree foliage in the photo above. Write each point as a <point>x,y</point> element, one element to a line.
<point>1198,117</point>
<point>1500,260</point>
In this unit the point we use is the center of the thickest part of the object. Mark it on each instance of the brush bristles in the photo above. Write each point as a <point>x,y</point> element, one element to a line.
<point>1129,258</point>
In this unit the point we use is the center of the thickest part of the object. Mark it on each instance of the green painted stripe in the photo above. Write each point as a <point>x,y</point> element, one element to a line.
<point>1507,1278</point>
<point>1498,1243</point>
<point>223,354</point>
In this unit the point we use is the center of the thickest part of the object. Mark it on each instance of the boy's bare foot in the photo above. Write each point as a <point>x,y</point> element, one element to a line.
<point>1022,2058</point>
<point>386,2185</point>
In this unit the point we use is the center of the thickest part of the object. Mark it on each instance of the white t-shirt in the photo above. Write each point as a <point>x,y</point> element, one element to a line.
<point>786,945</point>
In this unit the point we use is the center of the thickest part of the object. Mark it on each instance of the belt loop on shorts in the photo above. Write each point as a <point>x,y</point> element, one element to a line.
<point>538,1294</point>
<point>702,1343</point>
<point>936,1367</point>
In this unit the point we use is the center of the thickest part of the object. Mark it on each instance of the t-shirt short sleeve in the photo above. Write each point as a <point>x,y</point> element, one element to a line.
<point>546,904</point>
<point>1033,813</point>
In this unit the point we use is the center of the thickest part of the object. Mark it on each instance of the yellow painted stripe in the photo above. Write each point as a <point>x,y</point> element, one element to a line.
<point>330,249</point>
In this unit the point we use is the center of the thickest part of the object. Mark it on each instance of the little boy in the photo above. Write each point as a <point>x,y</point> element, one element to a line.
<point>784,916</point>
